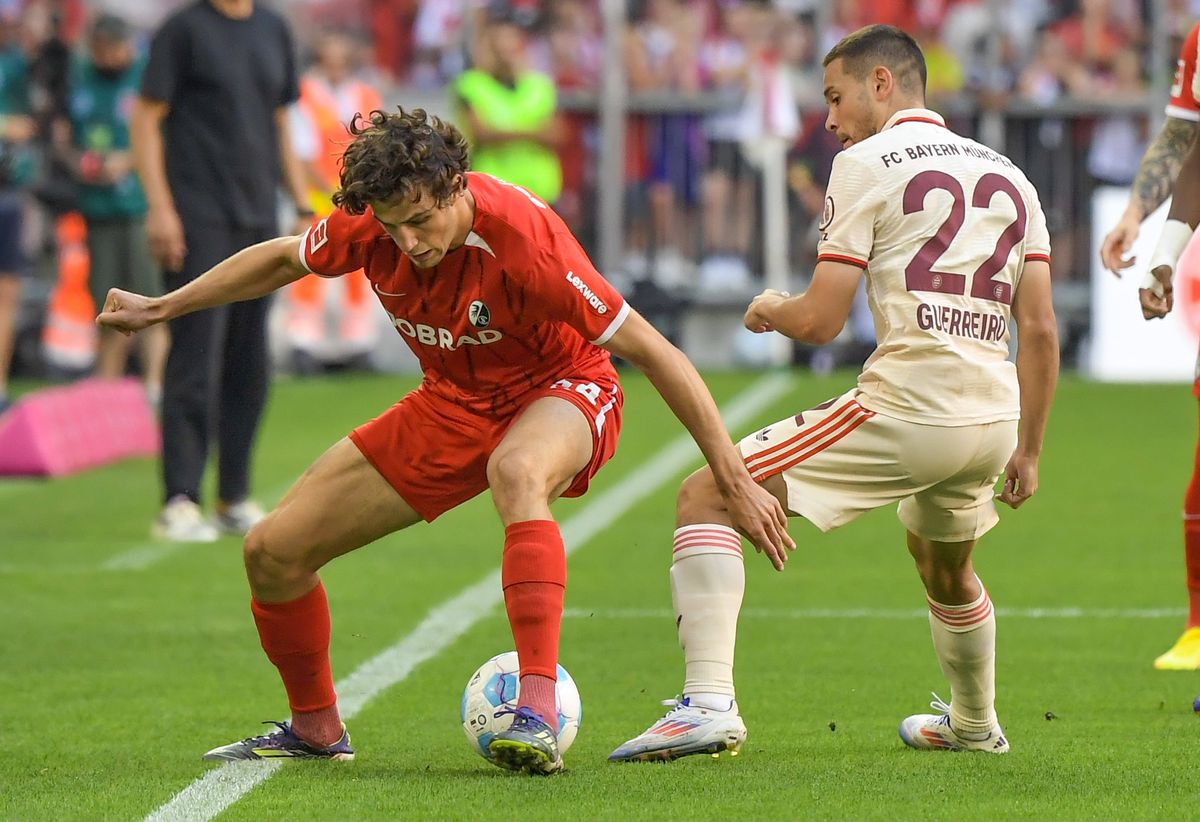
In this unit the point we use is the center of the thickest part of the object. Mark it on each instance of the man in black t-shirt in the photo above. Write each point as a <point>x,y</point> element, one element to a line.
<point>211,147</point>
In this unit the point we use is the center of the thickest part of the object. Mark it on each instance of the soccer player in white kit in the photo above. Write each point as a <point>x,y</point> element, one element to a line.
<point>952,240</point>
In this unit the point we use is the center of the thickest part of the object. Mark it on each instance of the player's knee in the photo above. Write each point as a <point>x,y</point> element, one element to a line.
<point>946,579</point>
<point>515,475</point>
<point>698,499</point>
<point>268,562</point>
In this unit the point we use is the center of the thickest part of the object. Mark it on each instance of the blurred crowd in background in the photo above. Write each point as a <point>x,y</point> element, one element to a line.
<point>705,78</point>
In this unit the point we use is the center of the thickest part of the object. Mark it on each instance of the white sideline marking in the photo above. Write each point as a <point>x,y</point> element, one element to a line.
<point>883,613</point>
<point>143,556</point>
<point>218,789</point>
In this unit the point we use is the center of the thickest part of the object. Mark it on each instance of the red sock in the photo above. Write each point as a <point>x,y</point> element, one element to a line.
<point>295,636</point>
<point>534,571</point>
<point>1191,541</point>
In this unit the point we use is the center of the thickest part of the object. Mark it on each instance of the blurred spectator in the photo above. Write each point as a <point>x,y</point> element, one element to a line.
<point>439,34</point>
<point>1092,37</point>
<point>16,171</point>
<point>663,56</point>
<point>574,53</point>
<point>508,109</point>
<point>944,71</point>
<point>142,15</point>
<point>391,25</point>
<point>103,89</point>
<point>729,182</point>
<point>1119,142</point>
<point>1049,73</point>
<point>210,138</point>
<point>575,47</point>
<point>329,320</point>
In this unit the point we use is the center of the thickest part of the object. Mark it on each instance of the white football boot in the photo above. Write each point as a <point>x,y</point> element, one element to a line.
<point>239,518</point>
<point>932,732</point>
<point>182,521</point>
<point>685,730</point>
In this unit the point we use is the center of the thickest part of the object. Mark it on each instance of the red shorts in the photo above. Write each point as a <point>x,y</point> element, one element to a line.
<point>435,452</point>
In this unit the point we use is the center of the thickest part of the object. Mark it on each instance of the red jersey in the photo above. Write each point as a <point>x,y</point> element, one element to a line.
<point>514,309</point>
<point>1183,103</point>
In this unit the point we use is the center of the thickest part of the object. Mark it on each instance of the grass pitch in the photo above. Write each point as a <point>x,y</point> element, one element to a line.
<point>123,661</point>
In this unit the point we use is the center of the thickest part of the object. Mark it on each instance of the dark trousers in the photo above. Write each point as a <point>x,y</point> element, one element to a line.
<point>216,377</point>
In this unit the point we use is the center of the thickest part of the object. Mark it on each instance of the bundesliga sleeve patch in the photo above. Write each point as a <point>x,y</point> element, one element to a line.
<point>826,214</point>
<point>318,235</point>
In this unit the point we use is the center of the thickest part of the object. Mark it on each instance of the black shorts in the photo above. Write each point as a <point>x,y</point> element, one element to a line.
<point>726,156</point>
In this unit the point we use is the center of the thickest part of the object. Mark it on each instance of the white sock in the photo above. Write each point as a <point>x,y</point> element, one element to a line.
<point>713,702</point>
<point>707,582</point>
<point>964,637</point>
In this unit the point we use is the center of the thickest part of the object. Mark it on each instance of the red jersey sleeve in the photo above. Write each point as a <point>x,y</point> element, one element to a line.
<point>337,244</point>
<point>1183,103</point>
<point>571,289</point>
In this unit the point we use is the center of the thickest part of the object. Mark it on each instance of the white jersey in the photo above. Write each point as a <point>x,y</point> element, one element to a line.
<point>943,227</point>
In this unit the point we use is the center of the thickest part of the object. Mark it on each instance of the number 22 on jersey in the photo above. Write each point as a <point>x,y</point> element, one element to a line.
<point>919,274</point>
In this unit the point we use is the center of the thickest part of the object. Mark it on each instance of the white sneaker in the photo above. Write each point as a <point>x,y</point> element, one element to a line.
<point>239,518</point>
<point>685,730</point>
<point>182,521</point>
<point>932,732</point>
<point>672,270</point>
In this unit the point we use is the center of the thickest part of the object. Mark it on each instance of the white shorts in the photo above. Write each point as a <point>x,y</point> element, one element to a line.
<point>840,460</point>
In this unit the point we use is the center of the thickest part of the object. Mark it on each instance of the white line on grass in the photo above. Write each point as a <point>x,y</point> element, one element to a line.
<point>220,788</point>
<point>143,556</point>
<point>883,613</point>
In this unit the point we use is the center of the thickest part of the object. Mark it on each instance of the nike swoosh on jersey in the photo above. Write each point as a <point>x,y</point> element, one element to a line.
<point>387,293</point>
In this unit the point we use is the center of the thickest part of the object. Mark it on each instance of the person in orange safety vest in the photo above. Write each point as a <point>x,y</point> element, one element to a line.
<point>327,320</point>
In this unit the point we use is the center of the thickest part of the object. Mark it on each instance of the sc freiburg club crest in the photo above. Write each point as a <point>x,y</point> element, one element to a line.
<point>479,315</point>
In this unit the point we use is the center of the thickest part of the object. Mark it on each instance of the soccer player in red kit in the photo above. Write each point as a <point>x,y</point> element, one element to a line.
<point>1169,170</point>
<point>509,320</point>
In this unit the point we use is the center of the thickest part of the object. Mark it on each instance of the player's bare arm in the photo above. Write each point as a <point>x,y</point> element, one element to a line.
<point>1037,374</point>
<point>163,227</point>
<point>816,316</point>
<point>1155,175</point>
<point>1155,293</point>
<point>251,273</point>
<point>753,511</point>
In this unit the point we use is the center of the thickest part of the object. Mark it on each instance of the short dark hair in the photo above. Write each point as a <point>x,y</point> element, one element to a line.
<point>401,154</point>
<point>110,28</point>
<point>881,45</point>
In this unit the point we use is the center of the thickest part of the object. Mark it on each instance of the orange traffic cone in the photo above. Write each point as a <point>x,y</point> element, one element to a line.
<point>69,336</point>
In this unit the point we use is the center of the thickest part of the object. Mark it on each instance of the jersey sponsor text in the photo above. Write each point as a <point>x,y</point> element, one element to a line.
<point>595,302</point>
<point>442,337</point>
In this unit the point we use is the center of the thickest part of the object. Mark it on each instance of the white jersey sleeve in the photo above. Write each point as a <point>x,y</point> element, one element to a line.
<point>853,204</point>
<point>1037,237</point>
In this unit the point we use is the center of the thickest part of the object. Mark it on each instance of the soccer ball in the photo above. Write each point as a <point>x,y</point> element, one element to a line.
<point>494,686</point>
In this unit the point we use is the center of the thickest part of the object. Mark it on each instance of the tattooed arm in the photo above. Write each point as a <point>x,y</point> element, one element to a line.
<point>1155,294</point>
<point>1151,187</point>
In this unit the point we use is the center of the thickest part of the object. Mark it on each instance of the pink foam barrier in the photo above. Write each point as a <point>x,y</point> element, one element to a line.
<point>59,431</point>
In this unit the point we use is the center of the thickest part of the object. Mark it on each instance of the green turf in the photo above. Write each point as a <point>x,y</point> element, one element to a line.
<point>113,682</point>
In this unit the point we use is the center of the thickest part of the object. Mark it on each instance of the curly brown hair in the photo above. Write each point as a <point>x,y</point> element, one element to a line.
<point>405,154</point>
